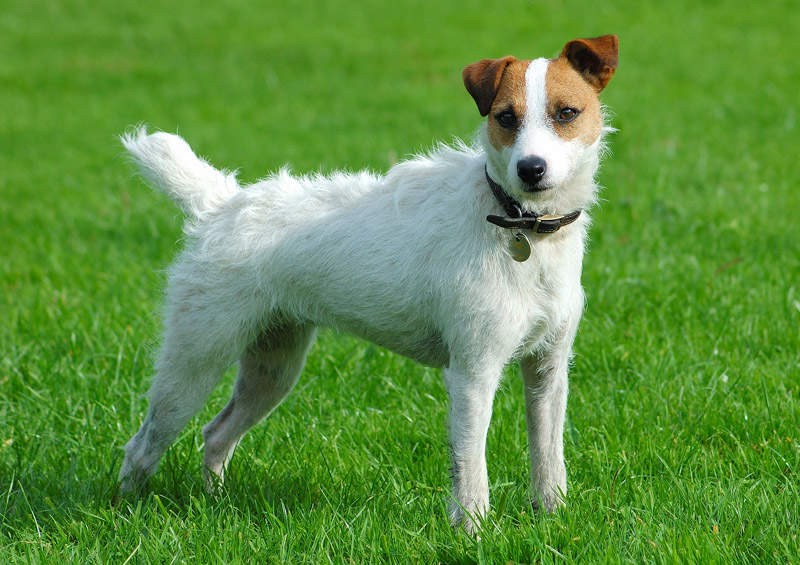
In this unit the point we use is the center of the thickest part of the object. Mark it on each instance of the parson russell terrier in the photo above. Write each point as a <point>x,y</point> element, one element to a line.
<point>466,258</point>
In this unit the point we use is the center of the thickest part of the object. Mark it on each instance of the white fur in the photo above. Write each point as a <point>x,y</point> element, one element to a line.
<point>406,260</point>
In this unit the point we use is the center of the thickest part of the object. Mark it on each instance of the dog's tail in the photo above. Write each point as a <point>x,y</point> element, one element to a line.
<point>170,165</point>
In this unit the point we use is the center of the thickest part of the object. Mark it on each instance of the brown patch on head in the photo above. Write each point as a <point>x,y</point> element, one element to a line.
<point>566,88</point>
<point>510,97</point>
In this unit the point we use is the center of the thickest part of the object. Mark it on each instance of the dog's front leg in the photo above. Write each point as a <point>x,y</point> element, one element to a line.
<point>471,397</point>
<point>545,381</point>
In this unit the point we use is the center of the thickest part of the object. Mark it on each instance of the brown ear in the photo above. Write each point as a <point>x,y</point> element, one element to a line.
<point>594,58</point>
<point>482,80</point>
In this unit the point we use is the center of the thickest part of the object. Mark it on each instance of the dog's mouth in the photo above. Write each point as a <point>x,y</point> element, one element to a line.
<point>538,187</point>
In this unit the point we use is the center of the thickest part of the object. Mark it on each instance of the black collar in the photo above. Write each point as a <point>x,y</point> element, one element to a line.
<point>519,219</point>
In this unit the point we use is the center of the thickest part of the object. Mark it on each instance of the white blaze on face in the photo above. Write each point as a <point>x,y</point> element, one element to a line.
<point>537,136</point>
<point>536,91</point>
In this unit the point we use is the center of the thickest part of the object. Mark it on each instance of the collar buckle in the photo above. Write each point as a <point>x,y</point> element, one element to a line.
<point>548,224</point>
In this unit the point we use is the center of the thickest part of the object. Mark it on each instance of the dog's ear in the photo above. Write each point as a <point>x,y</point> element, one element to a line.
<point>594,58</point>
<point>482,80</point>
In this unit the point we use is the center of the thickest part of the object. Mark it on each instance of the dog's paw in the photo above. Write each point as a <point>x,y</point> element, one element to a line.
<point>547,502</point>
<point>470,523</point>
<point>213,480</point>
<point>129,488</point>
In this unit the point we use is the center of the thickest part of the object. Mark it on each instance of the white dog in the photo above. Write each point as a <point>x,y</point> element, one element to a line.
<point>407,260</point>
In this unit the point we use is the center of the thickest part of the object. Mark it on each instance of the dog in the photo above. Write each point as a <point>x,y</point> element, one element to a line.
<point>466,258</point>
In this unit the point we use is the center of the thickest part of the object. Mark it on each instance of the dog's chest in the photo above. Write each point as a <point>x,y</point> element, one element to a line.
<point>547,289</point>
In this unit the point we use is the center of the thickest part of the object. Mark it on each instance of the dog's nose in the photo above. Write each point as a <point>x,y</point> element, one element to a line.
<point>531,169</point>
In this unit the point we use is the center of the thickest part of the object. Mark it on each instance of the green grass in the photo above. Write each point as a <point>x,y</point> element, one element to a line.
<point>682,443</point>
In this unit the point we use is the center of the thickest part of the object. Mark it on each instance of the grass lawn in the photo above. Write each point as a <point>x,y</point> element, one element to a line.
<point>682,442</point>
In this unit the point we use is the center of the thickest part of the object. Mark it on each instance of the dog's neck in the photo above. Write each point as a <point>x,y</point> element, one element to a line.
<point>517,218</point>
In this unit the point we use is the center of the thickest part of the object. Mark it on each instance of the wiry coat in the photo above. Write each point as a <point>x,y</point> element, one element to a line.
<point>406,260</point>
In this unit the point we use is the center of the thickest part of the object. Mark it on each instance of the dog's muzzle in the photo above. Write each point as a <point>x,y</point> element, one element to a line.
<point>531,170</point>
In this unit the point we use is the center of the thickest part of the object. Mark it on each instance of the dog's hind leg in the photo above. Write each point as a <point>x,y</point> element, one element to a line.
<point>268,371</point>
<point>205,333</point>
<point>184,378</point>
<point>180,388</point>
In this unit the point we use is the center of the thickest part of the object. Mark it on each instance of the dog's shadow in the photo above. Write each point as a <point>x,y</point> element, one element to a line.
<point>179,489</point>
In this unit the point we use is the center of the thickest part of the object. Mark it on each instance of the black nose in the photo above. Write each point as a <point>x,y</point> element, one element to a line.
<point>531,169</point>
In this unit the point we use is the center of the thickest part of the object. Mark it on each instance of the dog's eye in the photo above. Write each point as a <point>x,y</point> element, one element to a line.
<point>507,119</point>
<point>566,115</point>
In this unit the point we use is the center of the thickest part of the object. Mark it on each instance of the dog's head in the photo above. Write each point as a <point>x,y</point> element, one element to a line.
<point>545,123</point>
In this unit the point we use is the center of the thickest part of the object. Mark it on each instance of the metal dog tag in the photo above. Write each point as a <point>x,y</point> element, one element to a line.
<point>520,247</point>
